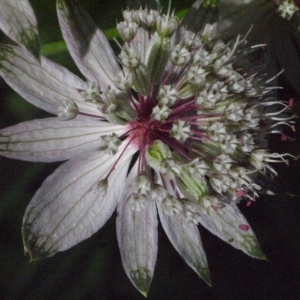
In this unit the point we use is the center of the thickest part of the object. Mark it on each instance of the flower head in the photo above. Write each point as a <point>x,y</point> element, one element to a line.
<point>174,125</point>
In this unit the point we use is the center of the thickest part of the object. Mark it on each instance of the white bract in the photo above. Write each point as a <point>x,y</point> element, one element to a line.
<point>167,126</point>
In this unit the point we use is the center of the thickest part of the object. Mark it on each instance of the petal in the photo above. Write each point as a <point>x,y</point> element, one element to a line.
<point>68,209</point>
<point>51,140</point>
<point>231,226</point>
<point>137,237</point>
<point>185,238</point>
<point>45,85</point>
<point>87,44</point>
<point>142,44</point>
<point>18,22</point>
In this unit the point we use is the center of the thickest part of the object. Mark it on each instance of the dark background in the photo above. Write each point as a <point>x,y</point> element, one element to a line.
<point>93,269</point>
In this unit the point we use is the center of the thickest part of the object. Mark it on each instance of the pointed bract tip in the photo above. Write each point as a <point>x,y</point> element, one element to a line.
<point>35,249</point>
<point>257,253</point>
<point>204,275</point>
<point>207,280</point>
<point>32,257</point>
<point>141,279</point>
<point>263,257</point>
<point>145,294</point>
<point>37,253</point>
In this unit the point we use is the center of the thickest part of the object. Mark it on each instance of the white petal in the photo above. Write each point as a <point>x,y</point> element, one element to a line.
<point>137,237</point>
<point>18,22</point>
<point>142,44</point>
<point>45,85</point>
<point>87,44</point>
<point>67,209</point>
<point>231,226</point>
<point>50,139</point>
<point>186,239</point>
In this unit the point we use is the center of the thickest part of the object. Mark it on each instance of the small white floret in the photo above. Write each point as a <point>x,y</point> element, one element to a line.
<point>137,202</point>
<point>68,110</point>
<point>111,143</point>
<point>167,95</point>
<point>181,130</point>
<point>287,8</point>
<point>127,30</point>
<point>160,113</point>
<point>171,205</point>
<point>180,55</point>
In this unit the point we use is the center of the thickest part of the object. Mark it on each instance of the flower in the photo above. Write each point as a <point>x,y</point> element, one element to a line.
<point>286,8</point>
<point>174,126</point>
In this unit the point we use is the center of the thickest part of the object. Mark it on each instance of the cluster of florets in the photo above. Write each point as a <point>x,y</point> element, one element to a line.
<point>195,118</point>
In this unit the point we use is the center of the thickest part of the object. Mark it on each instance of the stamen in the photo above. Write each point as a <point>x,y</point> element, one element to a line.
<point>274,77</point>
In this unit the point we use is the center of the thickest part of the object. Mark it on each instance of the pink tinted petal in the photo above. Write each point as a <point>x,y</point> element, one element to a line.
<point>68,209</point>
<point>51,140</point>
<point>225,223</point>
<point>137,237</point>
<point>87,44</point>
<point>185,238</point>
<point>45,85</point>
<point>142,44</point>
